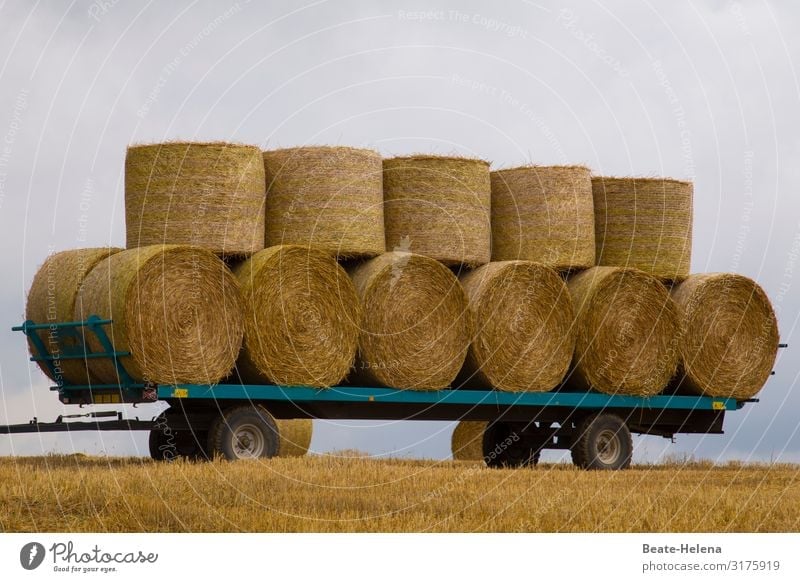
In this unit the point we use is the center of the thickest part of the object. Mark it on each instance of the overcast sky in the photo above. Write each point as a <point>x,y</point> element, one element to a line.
<point>706,91</point>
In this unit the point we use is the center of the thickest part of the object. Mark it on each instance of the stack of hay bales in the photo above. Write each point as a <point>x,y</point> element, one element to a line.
<point>644,223</point>
<point>328,197</point>
<point>544,214</point>
<point>626,319</point>
<point>203,194</point>
<point>438,206</point>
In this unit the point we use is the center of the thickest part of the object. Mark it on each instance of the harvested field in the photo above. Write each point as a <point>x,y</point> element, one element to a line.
<point>333,494</point>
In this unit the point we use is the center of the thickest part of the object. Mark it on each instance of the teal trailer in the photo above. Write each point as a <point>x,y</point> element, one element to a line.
<point>236,420</point>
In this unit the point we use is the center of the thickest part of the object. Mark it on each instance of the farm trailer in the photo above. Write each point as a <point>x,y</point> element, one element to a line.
<point>236,421</point>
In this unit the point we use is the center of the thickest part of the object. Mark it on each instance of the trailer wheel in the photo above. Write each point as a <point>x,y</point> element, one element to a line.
<point>603,441</point>
<point>166,445</point>
<point>244,432</point>
<point>505,447</point>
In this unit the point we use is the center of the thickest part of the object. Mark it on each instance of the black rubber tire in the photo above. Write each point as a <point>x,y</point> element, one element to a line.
<point>503,447</point>
<point>223,440</point>
<point>167,445</point>
<point>602,442</point>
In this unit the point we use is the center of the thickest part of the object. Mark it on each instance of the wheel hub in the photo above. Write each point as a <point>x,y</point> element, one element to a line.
<point>609,447</point>
<point>248,442</point>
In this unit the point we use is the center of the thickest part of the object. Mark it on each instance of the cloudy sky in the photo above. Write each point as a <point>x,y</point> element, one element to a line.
<point>706,91</point>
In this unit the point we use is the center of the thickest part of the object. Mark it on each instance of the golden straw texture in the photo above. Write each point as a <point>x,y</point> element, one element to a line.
<point>294,436</point>
<point>51,299</point>
<point>524,321</point>
<point>301,317</point>
<point>417,324</point>
<point>203,194</point>
<point>729,335</point>
<point>329,197</point>
<point>627,332</point>
<point>544,214</point>
<point>645,223</point>
<point>438,207</point>
<point>176,309</point>
<point>466,443</point>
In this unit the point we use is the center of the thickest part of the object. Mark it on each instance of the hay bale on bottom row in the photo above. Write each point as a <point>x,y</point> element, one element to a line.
<point>524,332</point>
<point>644,223</point>
<point>301,317</point>
<point>416,326</point>
<point>51,299</point>
<point>438,206</point>
<point>294,436</point>
<point>193,193</point>
<point>466,444</point>
<point>176,309</point>
<point>729,335</point>
<point>627,332</point>
<point>544,214</point>
<point>329,197</point>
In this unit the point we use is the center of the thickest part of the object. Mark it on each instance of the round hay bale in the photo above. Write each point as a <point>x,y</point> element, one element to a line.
<point>627,332</point>
<point>176,309</point>
<point>302,318</point>
<point>51,299</point>
<point>524,322</point>
<point>644,223</point>
<point>729,335</point>
<point>294,436</point>
<point>329,197</point>
<point>438,207</point>
<point>466,443</point>
<point>544,214</point>
<point>417,325</point>
<point>209,195</point>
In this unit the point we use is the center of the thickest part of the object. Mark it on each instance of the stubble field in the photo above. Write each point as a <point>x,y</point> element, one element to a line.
<point>349,494</point>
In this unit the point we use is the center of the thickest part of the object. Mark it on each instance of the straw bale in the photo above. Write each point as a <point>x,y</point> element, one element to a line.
<point>524,321</point>
<point>51,299</point>
<point>329,197</point>
<point>176,309</point>
<point>644,223</point>
<point>627,332</point>
<point>203,194</point>
<point>544,214</point>
<point>417,324</point>
<point>438,207</point>
<point>302,317</point>
<point>729,335</point>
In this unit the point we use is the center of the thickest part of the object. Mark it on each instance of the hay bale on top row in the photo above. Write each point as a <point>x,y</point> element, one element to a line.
<point>416,325</point>
<point>627,332</point>
<point>329,197</point>
<point>543,214</point>
<point>466,444</point>
<point>176,309</point>
<point>729,335</point>
<point>438,207</point>
<point>51,299</point>
<point>301,317</point>
<point>525,337</point>
<point>204,194</point>
<point>644,223</point>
